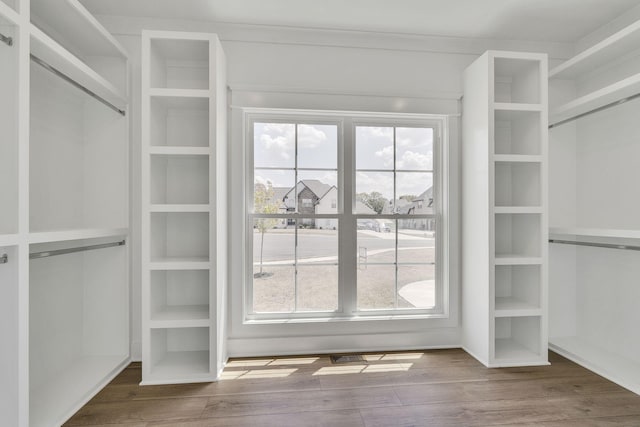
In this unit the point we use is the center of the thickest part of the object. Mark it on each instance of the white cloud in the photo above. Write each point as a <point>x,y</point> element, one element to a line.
<point>414,160</point>
<point>310,136</point>
<point>386,154</point>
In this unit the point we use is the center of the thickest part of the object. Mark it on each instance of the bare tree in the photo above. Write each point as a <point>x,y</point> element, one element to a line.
<point>264,203</point>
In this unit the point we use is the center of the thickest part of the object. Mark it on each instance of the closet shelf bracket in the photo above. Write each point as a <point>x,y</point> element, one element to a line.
<point>4,258</point>
<point>69,80</point>
<point>6,40</point>
<point>595,110</point>
<point>597,245</point>
<point>46,254</point>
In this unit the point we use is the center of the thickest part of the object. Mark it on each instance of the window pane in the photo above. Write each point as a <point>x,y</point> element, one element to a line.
<point>318,146</point>
<point>274,145</point>
<point>411,188</point>
<point>414,148</point>
<point>274,289</point>
<point>374,192</point>
<point>374,147</point>
<point>315,244</point>
<point>416,240</point>
<point>416,286</point>
<point>273,266</point>
<point>376,244</point>
<point>273,242</point>
<point>317,288</point>
<point>317,191</point>
<point>376,287</point>
<point>273,191</point>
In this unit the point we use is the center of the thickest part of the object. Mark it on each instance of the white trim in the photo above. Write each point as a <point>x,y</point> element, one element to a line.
<point>352,343</point>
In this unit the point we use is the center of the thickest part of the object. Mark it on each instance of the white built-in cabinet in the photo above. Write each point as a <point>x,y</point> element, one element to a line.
<point>64,210</point>
<point>595,214</point>
<point>184,202</point>
<point>504,209</point>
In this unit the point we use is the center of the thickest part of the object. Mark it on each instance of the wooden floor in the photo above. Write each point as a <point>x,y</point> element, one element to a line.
<point>433,388</point>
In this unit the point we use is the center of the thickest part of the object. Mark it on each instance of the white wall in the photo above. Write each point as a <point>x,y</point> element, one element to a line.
<point>332,70</point>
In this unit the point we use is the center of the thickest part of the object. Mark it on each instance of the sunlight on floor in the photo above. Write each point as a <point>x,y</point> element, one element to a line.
<point>256,373</point>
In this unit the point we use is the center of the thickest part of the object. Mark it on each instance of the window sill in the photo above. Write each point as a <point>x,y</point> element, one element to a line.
<point>338,319</point>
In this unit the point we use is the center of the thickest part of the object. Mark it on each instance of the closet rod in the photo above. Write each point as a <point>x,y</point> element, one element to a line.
<point>595,110</point>
<point>68,79</point>
<point>6,40</point>
<point>597,245</point>
<point>4,258</point>
<point>46,254</point>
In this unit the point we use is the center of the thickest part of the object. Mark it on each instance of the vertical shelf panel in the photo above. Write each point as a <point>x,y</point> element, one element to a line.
<point>9,129</point>
<point>9,334</point>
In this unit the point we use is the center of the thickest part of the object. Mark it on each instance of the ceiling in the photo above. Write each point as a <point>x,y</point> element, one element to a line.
<point>534,20</point>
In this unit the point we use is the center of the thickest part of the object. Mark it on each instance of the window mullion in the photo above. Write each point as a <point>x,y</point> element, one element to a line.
<point>347,251</point>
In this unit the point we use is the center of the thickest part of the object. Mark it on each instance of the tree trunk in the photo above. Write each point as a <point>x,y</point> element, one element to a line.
<point>261,249</point>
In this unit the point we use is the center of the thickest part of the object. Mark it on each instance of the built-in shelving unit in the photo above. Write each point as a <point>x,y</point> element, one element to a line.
<point>593,285</point>
<point>183,204</point>
<point>504,194</point>
<point>64,216</point>
<point>599,56</point>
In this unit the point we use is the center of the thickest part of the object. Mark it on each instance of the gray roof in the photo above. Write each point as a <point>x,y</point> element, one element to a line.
<point>318,188</point>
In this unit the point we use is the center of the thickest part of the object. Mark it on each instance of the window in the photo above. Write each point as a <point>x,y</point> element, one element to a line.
<point>344,216</point>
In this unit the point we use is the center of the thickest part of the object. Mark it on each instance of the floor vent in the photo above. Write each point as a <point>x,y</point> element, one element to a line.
<point>347,358</point>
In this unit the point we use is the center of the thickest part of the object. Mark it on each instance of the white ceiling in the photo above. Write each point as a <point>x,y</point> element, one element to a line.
<point>535,20</point>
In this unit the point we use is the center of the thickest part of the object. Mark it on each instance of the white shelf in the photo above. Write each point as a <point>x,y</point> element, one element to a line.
<point>179,93</point>
<point>512,307</point>
<point>181,367</point>
<point>181,313</point>
<point>597,235</point>
<point>7,12</point>
<point>180,151</point>
<point>48,50</point>
<point>66,235</point>
<point>180,263</point>
<point>506,107</point>
<point>621,370</point>
<point>180,208</point>
<point>518,210</point>
<point>511,353</point>
<point>9,239</point>
<point>70,23</point>
<point>602,53</point>
<point>599,98</point>
<point>509,259</point>
<point>514,158</point>
<point>596,232</point>
<point>59,398</point>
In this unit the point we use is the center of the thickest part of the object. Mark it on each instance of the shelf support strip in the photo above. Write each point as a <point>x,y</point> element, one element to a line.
<point>46,254</point>
<point>69,80</point>
<point>597,245</point>
<point>595,110</point>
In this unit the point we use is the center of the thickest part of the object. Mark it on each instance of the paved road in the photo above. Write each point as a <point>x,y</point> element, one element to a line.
<point>279,245</point>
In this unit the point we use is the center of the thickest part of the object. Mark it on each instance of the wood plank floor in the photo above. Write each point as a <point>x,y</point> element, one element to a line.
<point>432,388</point>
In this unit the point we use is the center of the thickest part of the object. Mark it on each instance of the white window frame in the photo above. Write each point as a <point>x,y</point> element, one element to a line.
<point>347,218</point>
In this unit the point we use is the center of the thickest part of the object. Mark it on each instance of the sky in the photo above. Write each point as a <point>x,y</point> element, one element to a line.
<point>274,146</point>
